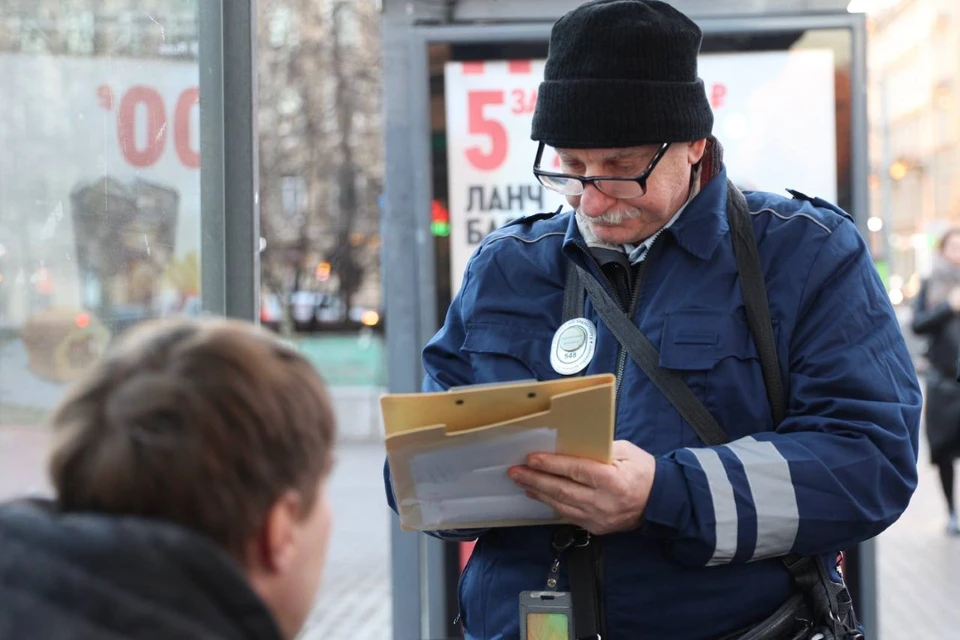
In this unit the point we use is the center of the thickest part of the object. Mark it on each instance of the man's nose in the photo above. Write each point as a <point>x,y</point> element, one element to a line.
<point>594,202</point>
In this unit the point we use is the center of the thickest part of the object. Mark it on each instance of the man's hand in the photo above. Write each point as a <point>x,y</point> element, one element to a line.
<point>601,498</point>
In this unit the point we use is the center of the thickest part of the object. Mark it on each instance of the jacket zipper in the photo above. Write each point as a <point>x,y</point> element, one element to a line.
<point>634,299</point>
<point>596,263</point>
<point>621,368</point>
<point>622,357</point>
<point>610,287</point>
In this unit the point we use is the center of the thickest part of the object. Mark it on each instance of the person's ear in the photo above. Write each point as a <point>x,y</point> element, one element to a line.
<point>695,150</point>
<point>275,547</point>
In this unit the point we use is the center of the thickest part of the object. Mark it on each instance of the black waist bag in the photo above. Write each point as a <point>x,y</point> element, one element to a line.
<point>821,606</point>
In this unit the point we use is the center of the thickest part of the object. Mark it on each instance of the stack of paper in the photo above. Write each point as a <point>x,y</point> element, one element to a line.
<point>449,452</point>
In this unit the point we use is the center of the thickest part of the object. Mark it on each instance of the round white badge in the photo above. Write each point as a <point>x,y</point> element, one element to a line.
<point>573,346</point>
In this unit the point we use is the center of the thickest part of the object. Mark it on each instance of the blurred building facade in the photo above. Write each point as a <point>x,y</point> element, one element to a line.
<point>914,107</point>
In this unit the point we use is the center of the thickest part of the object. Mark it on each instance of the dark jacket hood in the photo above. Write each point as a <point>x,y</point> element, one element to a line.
<point>66,576</point>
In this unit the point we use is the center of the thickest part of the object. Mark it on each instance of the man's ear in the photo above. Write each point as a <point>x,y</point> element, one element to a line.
<point>274,549</point>
<point>695,150</point>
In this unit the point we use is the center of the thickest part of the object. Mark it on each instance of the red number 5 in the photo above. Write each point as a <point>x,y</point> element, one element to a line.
<point>479,125</point>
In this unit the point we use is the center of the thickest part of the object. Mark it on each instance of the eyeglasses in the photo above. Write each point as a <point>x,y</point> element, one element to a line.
<point>622,188</point>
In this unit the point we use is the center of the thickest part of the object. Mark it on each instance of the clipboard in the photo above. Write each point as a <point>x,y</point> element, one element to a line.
<point>449,451</point>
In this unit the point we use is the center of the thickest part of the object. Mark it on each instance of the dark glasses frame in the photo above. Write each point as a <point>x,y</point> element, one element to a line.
<point>640,179</point>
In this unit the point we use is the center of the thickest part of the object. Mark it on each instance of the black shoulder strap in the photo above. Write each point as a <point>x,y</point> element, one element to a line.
<point>669,382</point>
<point>807,572</point>
<point>755,299</point>
<point>572,295</point>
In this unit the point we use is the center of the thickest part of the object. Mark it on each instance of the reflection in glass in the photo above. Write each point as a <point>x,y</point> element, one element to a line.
<point>99,195</point>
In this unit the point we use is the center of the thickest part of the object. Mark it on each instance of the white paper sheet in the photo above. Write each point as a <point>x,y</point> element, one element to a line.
<point>467,482</point>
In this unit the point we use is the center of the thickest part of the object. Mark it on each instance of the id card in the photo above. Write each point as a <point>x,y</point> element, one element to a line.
<point>546,615</point>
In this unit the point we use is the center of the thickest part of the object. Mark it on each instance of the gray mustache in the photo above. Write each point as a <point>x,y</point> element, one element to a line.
<point>611,217</point>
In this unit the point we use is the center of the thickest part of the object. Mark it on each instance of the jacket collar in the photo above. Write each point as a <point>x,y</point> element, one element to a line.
<point>703,223</point>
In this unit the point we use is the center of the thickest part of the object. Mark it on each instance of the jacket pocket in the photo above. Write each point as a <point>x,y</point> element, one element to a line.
<point>696,340</point>
<point>502,353</point>
<point>715,353</point>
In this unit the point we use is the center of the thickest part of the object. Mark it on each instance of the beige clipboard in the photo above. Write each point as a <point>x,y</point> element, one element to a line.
<point>448,451</point>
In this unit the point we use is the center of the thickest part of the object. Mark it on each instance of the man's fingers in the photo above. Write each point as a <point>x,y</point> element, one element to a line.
<point>560,489</point>
<point>565,511</point>
<point>580,470</point>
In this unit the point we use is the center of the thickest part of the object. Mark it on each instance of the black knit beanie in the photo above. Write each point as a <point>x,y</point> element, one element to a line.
<point>622,73</point>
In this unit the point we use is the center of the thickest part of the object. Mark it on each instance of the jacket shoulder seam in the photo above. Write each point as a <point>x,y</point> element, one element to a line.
<point>522,239</point>
<point>792,216</point>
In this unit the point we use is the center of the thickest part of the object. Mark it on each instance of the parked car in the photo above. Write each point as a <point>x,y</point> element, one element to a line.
<point>313,311</point>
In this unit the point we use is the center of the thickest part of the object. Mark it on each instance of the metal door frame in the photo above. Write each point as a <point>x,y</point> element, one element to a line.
<point>229,159</point>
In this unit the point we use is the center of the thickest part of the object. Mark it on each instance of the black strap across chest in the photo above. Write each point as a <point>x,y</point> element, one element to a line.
<point>670,383</point>
<point>585,562</point>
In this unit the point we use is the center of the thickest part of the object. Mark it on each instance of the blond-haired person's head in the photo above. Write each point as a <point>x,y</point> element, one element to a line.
<point>216,426</point>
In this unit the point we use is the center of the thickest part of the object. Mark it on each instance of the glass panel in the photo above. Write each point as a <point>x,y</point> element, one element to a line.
<point>321,180</point>
<point>99,196</point>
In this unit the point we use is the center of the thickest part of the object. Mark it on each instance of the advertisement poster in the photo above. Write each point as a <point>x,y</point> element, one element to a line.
<point>99,223</point>
<point>775,115</point>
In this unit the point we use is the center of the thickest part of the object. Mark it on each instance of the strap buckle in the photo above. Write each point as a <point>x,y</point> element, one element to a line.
<point>566,537</point>
<point>582,539</point>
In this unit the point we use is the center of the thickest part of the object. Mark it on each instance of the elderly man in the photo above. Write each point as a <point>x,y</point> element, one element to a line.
<point>694,531</point>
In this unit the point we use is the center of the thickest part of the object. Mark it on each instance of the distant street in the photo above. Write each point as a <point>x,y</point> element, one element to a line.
<point>355,599</point>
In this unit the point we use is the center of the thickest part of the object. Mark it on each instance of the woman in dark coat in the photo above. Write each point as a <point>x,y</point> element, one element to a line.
<point>937,316</point>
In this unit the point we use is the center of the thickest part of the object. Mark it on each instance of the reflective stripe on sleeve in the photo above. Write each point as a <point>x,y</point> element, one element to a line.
<point>774,497</point>
<point>724,506</point>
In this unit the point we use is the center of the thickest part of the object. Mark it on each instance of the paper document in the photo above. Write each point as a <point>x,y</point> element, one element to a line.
<point>449,451</point>
<point>466,481</point>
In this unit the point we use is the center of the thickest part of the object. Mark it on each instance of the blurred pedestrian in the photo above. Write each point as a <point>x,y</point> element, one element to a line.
<point>937,316</point>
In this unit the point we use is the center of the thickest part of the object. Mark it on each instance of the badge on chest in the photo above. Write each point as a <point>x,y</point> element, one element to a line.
<point>573,346</point>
